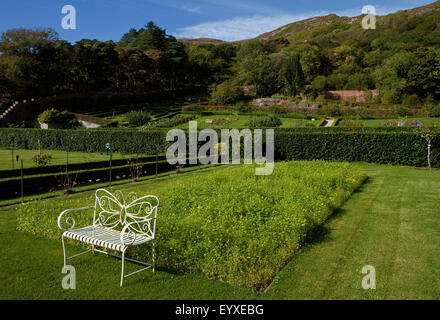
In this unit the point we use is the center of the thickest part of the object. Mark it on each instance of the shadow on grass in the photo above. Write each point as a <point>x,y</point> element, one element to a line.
<point>321,233</point>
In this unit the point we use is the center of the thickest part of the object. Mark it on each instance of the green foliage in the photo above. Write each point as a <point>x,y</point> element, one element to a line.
<point>292,75</point>
<point>64,118</point>
<point>402,111</point>
<point>256,67</point>
<point>123,141</point>
<point>266,122</point>
<point>242,107</point>
<point>390,97</point>
<point>411,100</point>
<point>384,147</point>
<point>432,110</point>
<point>170,122</point>
<point>229,224</point>
<point>138,118</point>
<point>332,110</point>
<point>320,83</point>
<point>227,93</point>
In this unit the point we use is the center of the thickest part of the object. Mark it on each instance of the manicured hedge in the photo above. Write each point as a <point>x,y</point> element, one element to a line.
<point>399,146</point>
<point>123,141</point>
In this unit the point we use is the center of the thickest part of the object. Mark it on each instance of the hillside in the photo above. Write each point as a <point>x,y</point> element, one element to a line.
<point>201,41</point>
<point>332,29</point>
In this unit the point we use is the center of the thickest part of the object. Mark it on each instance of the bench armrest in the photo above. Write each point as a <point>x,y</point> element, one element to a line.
<point>69,220</point>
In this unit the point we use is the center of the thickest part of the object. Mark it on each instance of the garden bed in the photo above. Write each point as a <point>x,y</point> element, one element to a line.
<point>227,224</point>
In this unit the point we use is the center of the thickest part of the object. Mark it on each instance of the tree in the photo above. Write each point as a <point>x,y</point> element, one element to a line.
<point>227,93</point>
<point>424,73</point>
<point>320,83</point>
<point>292,74</point>
<point>29,56</point>
<point>257,68</point>
<point>428,133</point>
<point>348,58</point>
<point>311,58</point>
<point>133,69</point>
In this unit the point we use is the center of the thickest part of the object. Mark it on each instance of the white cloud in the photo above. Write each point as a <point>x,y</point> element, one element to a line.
<point>240,28</point>
<point>237,28</point>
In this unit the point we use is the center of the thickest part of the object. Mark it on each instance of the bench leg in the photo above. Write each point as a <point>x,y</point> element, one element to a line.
<point>64,250</point>
<point>153,254</point>
<point>122,272</point>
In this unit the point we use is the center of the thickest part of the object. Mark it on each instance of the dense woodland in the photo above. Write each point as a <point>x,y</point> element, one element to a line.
<point>401,58</point>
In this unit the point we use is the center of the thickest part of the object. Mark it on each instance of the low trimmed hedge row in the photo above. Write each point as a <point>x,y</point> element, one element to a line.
<point>10,188</point>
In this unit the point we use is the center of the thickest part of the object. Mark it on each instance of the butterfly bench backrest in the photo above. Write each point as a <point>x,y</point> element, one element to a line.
<point>115,211</point>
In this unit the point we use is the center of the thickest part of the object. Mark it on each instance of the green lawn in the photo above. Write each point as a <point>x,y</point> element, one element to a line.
<point>58,157</point>
<point>392,223</point>
<point>240,121</point>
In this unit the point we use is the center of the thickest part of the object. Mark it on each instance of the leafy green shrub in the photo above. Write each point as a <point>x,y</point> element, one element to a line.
<point>411,100</point>
<point>137,118</point>
<point>266,122</point>
<point>432,110</point>
<point>277,110</point>
<point>227,93</point>
<point>402,111</point>
<point>64,118</point>
<point>242,107</point>
<point>332,110</point>
<point>228,224</point>
<point>172,122</point>
<point>390,97</point>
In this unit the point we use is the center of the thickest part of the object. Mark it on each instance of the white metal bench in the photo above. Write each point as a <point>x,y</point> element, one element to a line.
<point>118,224</point>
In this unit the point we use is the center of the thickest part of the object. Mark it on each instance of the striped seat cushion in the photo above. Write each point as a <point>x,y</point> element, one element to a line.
<point>104,237</point>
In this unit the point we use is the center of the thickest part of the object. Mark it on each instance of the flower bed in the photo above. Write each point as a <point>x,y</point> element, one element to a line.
<point>227,224</point>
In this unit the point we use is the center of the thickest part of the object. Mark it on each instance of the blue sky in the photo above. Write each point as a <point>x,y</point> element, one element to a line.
<point>222,19</point>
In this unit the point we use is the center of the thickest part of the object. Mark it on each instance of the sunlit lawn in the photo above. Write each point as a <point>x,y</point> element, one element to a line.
<point>392,223</point>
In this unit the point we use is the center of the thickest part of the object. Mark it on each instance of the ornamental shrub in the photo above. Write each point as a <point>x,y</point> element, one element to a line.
<point>227,93</point>
<point>137,118</point>
<point>266,122</point>
<point>64,118</point>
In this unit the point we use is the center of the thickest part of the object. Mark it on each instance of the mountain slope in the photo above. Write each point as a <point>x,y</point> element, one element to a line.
<point>332,28</point>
